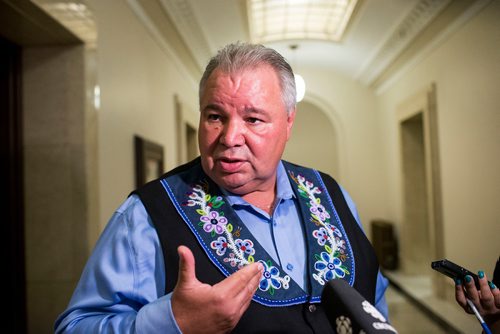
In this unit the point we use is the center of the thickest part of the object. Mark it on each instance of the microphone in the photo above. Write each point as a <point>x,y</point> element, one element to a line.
<point>349,312</point>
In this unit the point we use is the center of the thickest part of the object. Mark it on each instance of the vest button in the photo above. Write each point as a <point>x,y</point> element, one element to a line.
<point>312,308</point>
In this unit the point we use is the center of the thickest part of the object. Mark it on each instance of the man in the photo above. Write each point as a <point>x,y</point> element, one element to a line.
<point>236,240</point>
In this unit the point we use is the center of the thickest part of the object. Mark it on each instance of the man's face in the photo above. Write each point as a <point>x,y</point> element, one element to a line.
<point>243,129</point>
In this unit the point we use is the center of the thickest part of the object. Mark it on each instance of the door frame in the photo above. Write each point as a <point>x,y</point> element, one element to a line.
<point>12,185</point>
<point>424,103</point>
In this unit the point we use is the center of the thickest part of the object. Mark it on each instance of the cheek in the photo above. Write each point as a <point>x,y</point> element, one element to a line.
<point>267,145</point>
<point>272,146</point>
<point>207,140</point>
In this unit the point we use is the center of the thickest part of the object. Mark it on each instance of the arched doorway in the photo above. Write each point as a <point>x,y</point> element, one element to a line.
<point>314,141</point>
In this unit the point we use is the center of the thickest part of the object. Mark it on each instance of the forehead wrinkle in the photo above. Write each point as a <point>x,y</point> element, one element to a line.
<point>245,109</point>
<point>235,90</point>
<point>224,87</point>
<point>237,84</point>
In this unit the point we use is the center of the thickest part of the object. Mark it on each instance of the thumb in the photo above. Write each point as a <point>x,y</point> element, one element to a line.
<point>187,272</point>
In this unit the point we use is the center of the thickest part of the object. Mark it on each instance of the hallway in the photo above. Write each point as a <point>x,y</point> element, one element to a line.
<point>414,310</point>
<point>93,74</point>
<point>408,318</point>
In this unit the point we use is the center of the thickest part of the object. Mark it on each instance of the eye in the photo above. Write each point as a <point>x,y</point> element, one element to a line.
<point>213,117</point>
<point>253,120</point>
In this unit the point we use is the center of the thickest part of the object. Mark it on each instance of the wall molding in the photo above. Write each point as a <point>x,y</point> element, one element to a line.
<point>187,66</point>
<point>391,77</point>
<point>411,25</point>
<point>423,30</point>
<point>188,27</point>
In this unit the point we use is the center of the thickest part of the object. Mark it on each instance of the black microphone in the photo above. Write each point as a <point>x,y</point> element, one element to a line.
<point>349,312</point>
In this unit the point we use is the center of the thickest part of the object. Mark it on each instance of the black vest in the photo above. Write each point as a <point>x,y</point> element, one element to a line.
<point>304,316</point>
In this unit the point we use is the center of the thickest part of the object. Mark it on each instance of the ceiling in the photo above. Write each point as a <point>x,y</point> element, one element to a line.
<point>372,22</point>
<point>381,33</point>
<point>382,38</point>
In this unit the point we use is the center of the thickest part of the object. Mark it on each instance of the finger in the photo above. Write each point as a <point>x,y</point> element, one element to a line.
<point>244,307</point>
<point>496,294</point>
<point>240,279</point>
<point>244,280</point>
<point>471,290</point>
<point>483,282</point>
<point>187,273</point>
<point>241,286</point>
<point>245,295</point>
<point>460,295</point>
<point>487,301</point>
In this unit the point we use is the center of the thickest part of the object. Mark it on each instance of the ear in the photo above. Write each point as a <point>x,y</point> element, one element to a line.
<point>289,122</point>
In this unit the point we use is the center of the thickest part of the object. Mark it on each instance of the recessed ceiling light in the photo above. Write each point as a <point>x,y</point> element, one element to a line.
<point>277,20</point>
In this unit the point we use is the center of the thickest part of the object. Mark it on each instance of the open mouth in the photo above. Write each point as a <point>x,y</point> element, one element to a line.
<point>230,165</point>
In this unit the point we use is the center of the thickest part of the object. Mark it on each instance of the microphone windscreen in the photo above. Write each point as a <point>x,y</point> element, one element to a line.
<point>349,312</point>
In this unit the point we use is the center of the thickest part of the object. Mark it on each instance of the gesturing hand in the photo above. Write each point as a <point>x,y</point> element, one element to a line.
<point>202,308</point>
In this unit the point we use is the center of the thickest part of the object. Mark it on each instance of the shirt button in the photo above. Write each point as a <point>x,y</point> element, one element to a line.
<point>289,266</point>
<point>312,308</point>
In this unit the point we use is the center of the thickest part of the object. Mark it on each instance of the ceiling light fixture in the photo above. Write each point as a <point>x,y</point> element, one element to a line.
<point>277,20</point>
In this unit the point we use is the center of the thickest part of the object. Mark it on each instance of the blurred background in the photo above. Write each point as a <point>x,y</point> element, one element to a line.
<point>401,105</point>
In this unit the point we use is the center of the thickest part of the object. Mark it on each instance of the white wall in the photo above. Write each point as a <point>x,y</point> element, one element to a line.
<point>138,81</point>
<point>466,70</point>
<point>351,108</point>
<point>314,140</point>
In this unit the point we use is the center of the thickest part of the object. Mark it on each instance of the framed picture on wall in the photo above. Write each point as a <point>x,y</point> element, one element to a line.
<point>149,160</point>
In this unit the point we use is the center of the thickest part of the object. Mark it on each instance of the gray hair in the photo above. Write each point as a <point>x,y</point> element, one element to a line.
<point>239,56</point>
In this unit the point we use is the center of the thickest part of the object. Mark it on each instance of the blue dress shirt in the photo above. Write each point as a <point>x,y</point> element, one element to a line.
<point>122,285</point>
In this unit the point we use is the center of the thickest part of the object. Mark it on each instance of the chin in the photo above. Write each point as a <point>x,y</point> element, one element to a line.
<point>236,185</point>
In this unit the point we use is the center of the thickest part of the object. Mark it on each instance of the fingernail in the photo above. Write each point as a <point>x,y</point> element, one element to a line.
<point>458,281</point>
<point>492,285</point>
<point>468,278</point>
<point>480,273</point>
<point>260,266</point>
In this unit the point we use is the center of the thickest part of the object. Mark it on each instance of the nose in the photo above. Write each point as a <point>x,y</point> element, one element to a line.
<point>232,134</point>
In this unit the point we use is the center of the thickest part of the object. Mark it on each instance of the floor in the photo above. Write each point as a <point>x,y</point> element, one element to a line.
<point>408,318</point>
<point>413,309</point>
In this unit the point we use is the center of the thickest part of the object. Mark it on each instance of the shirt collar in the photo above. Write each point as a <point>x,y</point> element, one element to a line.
<point>284,189</point>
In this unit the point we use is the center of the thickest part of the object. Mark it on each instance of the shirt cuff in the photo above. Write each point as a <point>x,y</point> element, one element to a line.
<point>157,316</point>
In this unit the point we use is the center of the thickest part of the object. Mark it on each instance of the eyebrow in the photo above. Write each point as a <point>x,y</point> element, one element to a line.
<point>254,110</point>
<point>247,110</point>
<point>212,107</point>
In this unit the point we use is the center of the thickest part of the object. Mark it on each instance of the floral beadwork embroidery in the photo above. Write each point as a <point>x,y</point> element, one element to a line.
<point>213,222</point>
<point>330,262</point>
<point>271,279</point>
<point>236,251</point>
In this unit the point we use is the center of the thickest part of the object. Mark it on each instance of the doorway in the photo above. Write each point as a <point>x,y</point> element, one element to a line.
<point>416,211</point>
<point>187,134</point>
<point>314,141</point>
<point>11,182</point>
<point>191,142</point>
<point>422,228</point>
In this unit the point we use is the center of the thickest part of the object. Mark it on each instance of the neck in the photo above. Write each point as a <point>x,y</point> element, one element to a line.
<point>263,200</point>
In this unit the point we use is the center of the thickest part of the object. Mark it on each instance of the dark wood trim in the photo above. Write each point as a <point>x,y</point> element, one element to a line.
<point>11,183</point>
<point>147,153</point>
